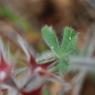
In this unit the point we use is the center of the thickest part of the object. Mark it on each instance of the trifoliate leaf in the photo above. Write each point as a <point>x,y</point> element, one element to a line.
<point>68,46</point>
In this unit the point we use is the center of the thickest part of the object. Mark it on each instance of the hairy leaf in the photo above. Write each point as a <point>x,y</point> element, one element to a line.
<point>69,42</point>
<point>67,47</point>
<point>50,38</point>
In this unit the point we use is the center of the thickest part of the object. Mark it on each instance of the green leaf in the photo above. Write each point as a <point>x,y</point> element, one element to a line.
<point>69,42</point>
<point>68,46</point>
<point>50,38</point>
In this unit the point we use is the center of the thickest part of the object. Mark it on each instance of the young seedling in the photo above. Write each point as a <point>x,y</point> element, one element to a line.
<point>63,50</point>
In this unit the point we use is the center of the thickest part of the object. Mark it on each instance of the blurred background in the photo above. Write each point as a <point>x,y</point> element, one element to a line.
<point>29,16</point>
